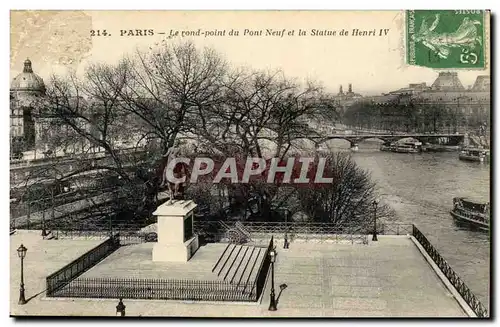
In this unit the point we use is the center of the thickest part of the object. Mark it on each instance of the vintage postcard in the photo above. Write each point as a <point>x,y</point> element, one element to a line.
<point>250,163</point>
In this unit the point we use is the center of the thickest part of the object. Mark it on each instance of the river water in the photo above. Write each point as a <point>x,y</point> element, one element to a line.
<point>420,188</point>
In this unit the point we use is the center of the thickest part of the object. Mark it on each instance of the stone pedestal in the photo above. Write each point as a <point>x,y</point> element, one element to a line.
<point>176,240</point>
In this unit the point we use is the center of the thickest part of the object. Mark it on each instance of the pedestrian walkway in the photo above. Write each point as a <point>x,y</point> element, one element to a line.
<point>388,278</point>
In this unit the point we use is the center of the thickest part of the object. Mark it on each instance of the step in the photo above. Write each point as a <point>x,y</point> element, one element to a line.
<point>239,269</point>
<point>221,259</point>
<point>260,259</point>
<point>254,264</point>
<point>225,258</point>
<point>233,262</point>
<point>244,269</point>
<point>228,261</point>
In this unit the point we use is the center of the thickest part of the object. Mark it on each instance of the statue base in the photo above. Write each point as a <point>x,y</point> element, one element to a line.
<point>176,240</point>
<point>175,252</point>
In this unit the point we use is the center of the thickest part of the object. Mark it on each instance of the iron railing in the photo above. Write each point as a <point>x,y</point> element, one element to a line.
<point>166,289</point>
<point>79,234</point>
<point>454,279</point>
<point>124,235</point>
<point>260,279</point>
<point>395,229</point>
<point>294,230</point>
<point>157,289</point>
<point>64,282</point>
<point>300,228</point>
<point>71,271</point>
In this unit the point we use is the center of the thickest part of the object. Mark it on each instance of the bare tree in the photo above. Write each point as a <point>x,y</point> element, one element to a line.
<point>261,114</point>
<point>89,109</point>
<point>178,91</point>
<point>167,85</point>
<point>347,200</point>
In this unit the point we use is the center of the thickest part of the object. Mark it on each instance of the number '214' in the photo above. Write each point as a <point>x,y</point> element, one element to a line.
<point>98,33</point>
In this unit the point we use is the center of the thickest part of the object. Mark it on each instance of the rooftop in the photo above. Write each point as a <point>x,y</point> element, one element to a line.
<point>28,80</point>
<point>385,278</point>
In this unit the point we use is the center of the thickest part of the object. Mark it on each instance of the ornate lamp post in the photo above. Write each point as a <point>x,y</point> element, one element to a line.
<point>21,251</point>
<point>286,244</point>
<point>44,230</point>
<point>375,204</point>
<point>110,226</point>
<point>120,308</point>
<point>272,303</point>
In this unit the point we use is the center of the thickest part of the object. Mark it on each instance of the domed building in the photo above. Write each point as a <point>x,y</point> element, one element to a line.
<point>28,83</point>
<point>25,90</point>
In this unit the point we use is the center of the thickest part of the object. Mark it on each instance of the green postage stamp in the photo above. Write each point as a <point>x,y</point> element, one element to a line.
<point>446,38</point>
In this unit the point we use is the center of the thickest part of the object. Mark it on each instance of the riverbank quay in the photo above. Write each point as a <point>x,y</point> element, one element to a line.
<point>67,210</point>
<point>386,278</point>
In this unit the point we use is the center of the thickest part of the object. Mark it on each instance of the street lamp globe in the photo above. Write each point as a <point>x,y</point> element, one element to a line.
<point>21,251</point>
<point>272,302</point>
<point>375,204</point>
<point>272,255</point>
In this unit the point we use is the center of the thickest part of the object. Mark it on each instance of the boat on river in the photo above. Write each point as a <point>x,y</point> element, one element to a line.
<point>402,147</point>
<point>429,147</point>
<point>472,212</point>
<point>387,147</point>
<point>478,154</point>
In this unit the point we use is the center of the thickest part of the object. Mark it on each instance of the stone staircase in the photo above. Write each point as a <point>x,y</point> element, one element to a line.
<point>239,264</point>
<point>235,233</point>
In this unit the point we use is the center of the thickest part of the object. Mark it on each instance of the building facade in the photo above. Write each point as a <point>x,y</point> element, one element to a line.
<point>448,92</point>
<point>26,91</point>
<point>344,100</point>
<point>460,108</point>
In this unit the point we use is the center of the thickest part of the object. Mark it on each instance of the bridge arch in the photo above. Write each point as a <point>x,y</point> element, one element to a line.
<point>403,137</point>
<point>335,141</point>
<point>377,138</point>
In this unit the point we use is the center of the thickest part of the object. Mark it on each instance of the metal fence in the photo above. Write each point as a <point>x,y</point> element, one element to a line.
<point>454,279</point>
<point>157,289</point>
<point>65,275</point>
<point>79,234</point>
<point>165,289</point>
<point>300,227</point>
<point>218,230</point>
<point>125,236</point>
<point>63,283</point>
<point>260,279</point>
<point>396,229</point>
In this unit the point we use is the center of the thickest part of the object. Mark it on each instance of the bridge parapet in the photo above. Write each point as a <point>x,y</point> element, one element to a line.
<point>356,139</point>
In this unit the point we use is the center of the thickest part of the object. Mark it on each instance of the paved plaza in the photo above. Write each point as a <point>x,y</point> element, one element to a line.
<point>388,278</point>
<point>135,261</point>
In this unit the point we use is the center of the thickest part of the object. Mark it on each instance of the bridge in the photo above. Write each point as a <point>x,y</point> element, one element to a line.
<point>355,138</point>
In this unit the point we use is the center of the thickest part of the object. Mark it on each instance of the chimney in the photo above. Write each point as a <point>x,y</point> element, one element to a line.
<point>350,88</point>
<point>341,92</point>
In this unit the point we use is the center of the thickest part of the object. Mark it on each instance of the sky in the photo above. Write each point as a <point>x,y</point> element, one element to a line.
<point>56,41</point>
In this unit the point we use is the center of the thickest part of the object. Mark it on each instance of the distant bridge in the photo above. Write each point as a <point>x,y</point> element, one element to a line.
<point>355,139</point>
